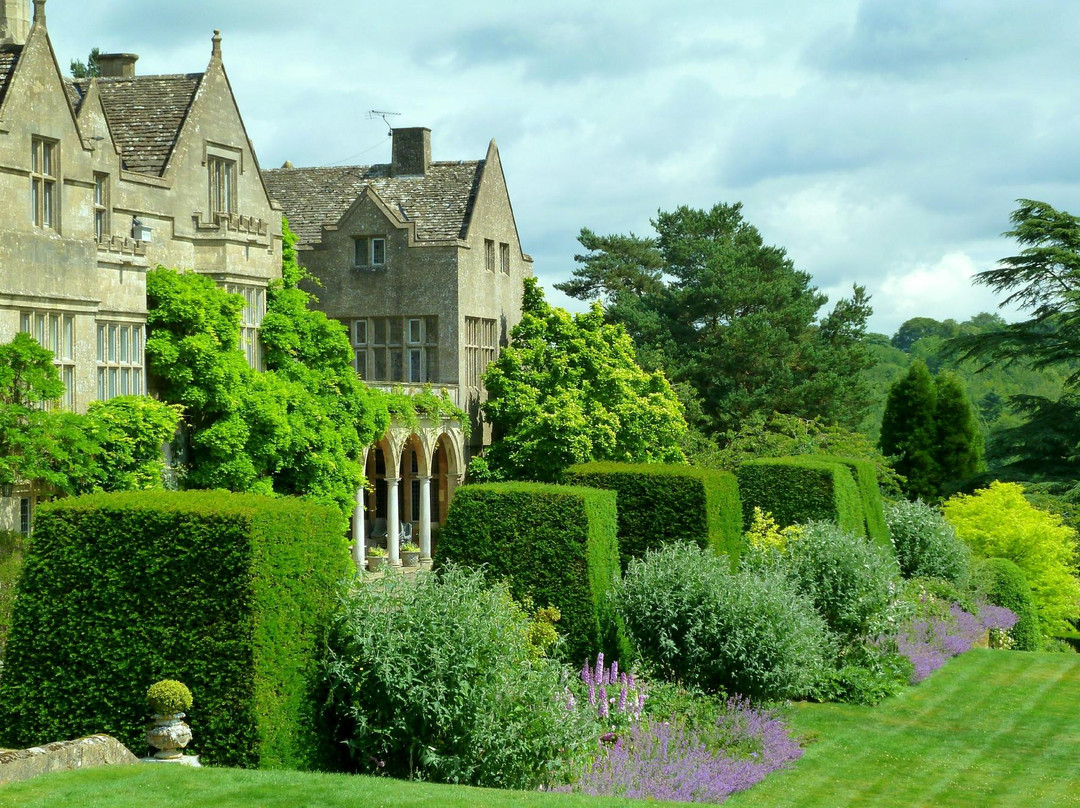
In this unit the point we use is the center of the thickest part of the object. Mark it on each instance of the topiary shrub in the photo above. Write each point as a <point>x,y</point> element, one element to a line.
<point>796,490</point>
<point>436,679</point>
<point>1002,583</point>
<point>555,544</point>
<point>926,545</point>
<point>169,697</point>
<point>851,581</point>
<point>11,556</point>
<point>701,624</point>
<point>865,475</point>
<point>660,503</point>
<point>230,593</point>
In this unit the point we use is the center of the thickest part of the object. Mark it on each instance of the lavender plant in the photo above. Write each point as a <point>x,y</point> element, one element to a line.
<point>664,760</point>
<point>930,640</point>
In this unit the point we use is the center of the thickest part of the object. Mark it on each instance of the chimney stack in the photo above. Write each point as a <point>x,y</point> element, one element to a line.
<point>14,22</point>
<point>117,65</point>
<point>411,152</point>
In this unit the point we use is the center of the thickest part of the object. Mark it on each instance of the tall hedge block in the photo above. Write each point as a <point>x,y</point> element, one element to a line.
<point>801,489</point>
<point>554,543</point>
<point>661,503</point>
<point>230,594</point>
<point>865,476</point>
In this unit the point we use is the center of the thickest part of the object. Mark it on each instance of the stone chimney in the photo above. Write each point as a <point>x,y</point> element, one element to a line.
<point>411,152</point>
<point>117,65</point>
<point>14,22</point>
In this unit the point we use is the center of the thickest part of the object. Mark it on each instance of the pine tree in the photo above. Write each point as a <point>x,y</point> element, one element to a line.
<point>958,446</point>
<point>908,431</point>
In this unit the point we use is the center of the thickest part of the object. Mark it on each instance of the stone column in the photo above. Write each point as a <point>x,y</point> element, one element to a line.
<point>425,517</point>
<point>358,537</point>
<point>393,522</point>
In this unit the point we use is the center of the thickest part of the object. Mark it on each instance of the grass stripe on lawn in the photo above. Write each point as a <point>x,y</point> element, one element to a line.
<point>991,728</point>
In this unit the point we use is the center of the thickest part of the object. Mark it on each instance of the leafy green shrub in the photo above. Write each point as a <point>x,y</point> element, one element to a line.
<point>1002,583</point>
<point>555,544</point>
<point>698,623</point>
<point>850,580</point>
<point>660,503</point>
<point>926,545</point>
<point>866,480</point>
<point>796,490</point>
<point>11,556</point>
<point>998,522</point>
<point>169,697</point>
<point>866,673</point>
<point>231,594</point>
<point>438,681</point>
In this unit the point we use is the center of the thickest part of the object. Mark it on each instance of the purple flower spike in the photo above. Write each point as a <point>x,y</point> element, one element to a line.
<point>613,676</point>
<point>603,703</point>
<point>599,668</point>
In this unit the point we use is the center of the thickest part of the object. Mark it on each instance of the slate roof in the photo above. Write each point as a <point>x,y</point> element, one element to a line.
<point>440,202</point>
<point>9,57</point>
<point>145,115</point>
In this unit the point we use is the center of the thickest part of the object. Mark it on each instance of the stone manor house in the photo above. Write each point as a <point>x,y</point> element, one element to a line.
<point>102,179</point>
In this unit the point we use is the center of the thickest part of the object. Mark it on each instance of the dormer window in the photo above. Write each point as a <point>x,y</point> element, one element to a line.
<point>43,174</point>
<point>222,185</point>
<point>369,251</point>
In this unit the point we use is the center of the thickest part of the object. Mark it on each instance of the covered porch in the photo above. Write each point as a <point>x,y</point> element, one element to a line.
<point>412,474</point>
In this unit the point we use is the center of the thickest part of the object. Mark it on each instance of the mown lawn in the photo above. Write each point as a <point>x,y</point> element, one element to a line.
<point>989,729</point>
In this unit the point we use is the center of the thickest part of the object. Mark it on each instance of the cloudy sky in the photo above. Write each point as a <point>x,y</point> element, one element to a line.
<point>881,142</point>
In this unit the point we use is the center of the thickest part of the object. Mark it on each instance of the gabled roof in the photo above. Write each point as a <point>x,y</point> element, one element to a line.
<point>9,57</point>
<point>145,114</point>
<point>440,202</point>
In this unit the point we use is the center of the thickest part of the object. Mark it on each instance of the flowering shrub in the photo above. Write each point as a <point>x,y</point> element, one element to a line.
<point>926,545</point>
<point>662,760</point>
<point>617,697</point>
<point>930,640</point>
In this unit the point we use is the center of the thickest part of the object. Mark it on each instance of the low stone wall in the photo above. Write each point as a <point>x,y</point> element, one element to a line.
<point>62,756</point>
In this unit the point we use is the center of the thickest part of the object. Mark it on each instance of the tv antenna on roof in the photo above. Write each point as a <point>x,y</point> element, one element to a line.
<point>378,113</point>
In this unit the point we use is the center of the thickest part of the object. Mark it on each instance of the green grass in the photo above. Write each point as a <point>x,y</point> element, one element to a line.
<point>148,786</point>
<point>989,729</point>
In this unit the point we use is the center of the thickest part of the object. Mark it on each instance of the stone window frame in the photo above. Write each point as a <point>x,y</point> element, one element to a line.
<point>369,252</point>
<point>489,254</point>
<point>102,209</point>
<point>481,349</point>
<point>45,182</point>
<point>398,344</point>
<point>120,359</point>
<point>55,331</point>
<point>504,257</point>
<point>251,317</point>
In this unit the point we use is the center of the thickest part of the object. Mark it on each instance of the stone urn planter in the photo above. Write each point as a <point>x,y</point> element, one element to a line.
<point>376,559</point>
<point>168,700</point>
<point>168,735</point>
<point>410,555</point>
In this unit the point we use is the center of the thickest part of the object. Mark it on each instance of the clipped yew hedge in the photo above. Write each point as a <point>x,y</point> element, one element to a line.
<point>865,476</point>
<point>229,594</point>
<point>661,503</point>
<point>796,490</point>
<point>1002,583</point>
<point>554,543</point>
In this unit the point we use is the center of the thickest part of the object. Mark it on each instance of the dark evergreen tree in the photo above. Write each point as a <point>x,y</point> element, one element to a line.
<point>958,445</point>
<point>908,431</point>
<point>730,320</point>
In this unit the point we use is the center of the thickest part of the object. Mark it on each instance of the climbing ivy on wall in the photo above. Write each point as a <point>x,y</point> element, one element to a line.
<point>299,427</point>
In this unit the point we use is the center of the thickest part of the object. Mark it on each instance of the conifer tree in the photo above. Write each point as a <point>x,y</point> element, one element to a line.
<point>908,431</point>
<point>958,445</point>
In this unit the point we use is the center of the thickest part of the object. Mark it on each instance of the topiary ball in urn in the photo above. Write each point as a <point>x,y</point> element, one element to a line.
<point>169,700</point>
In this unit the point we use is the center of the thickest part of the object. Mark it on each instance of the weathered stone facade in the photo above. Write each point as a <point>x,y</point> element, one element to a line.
<point>420,259</point>
<point>103,179</point>
<point>63,756</point>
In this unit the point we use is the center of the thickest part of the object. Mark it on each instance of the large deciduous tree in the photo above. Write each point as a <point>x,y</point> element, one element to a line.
<point>729,318</point>
<point>568,390</point>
